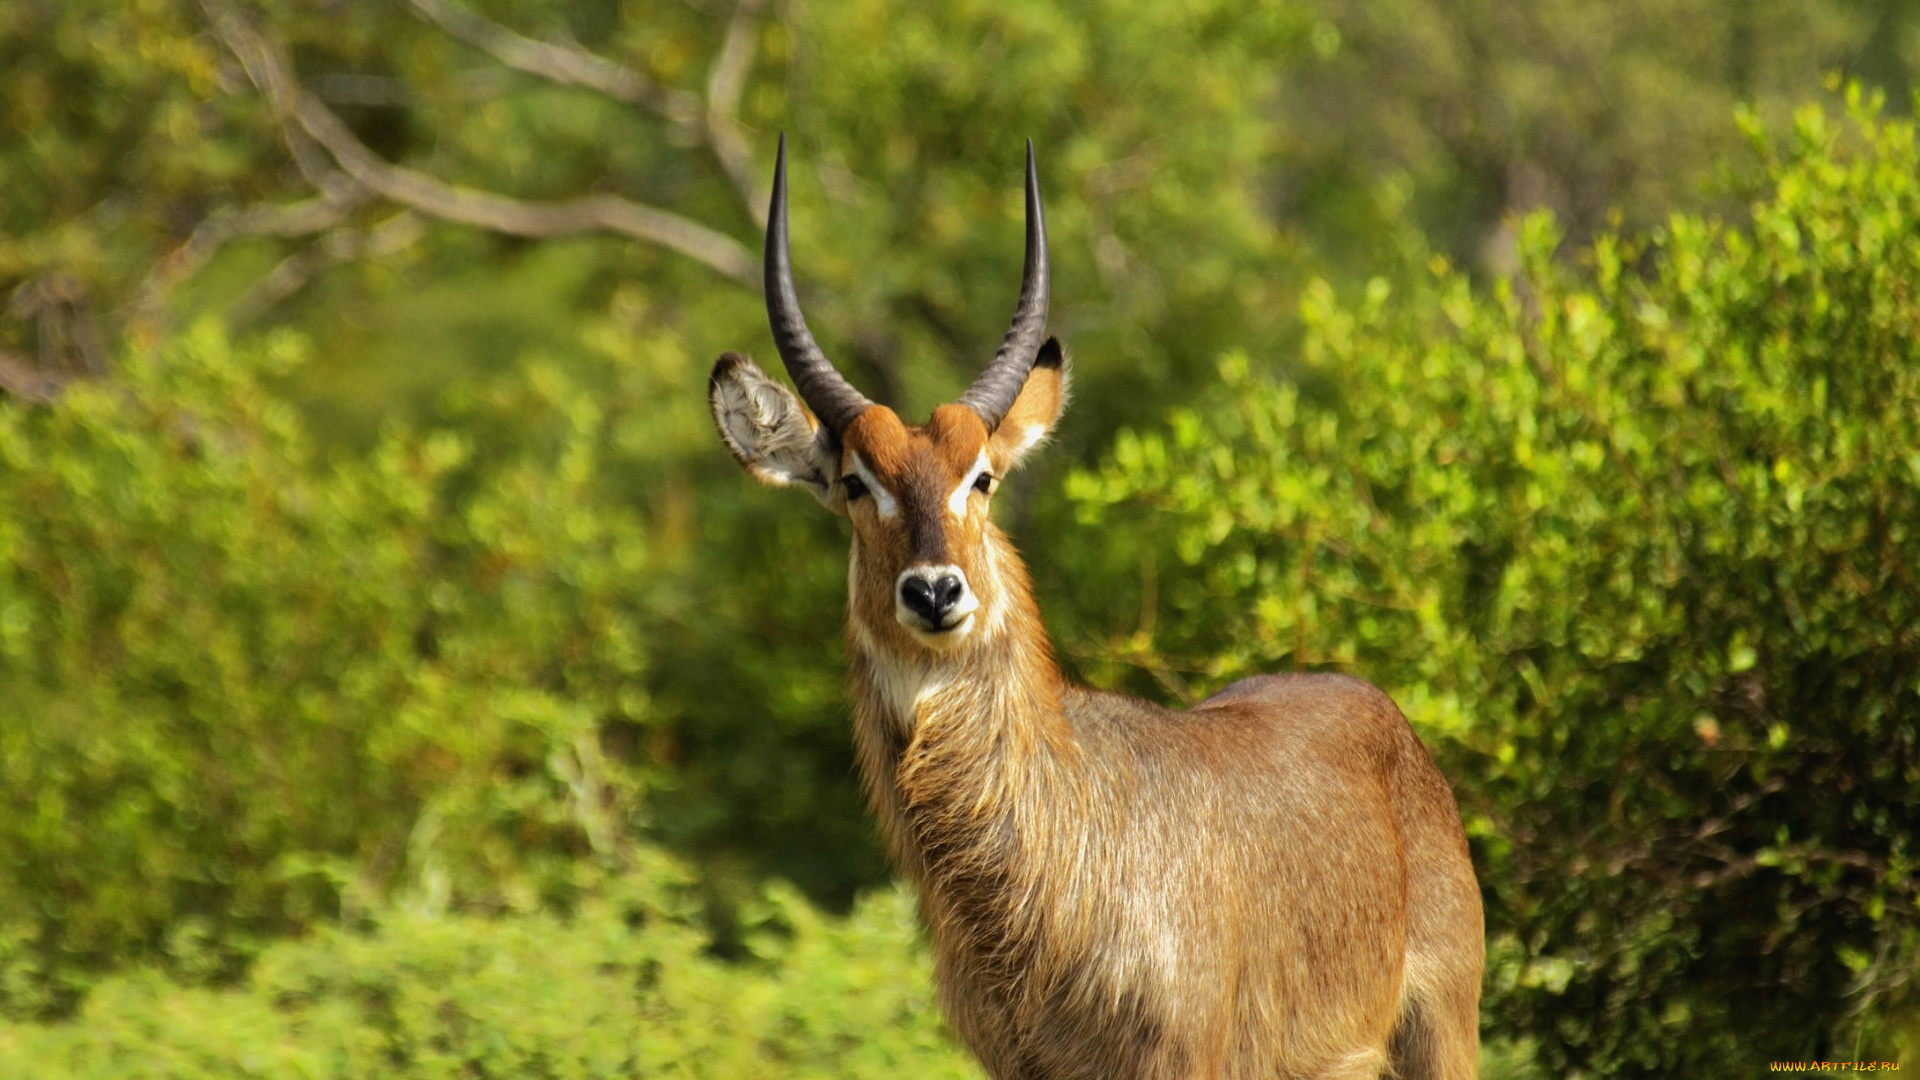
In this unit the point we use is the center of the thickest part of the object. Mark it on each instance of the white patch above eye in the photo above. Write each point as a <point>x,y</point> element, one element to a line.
<point>957,502</point>
<point>883,500</point>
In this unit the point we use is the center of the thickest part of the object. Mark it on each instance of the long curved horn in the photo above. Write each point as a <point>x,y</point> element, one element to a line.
<point>826,392</point>
<point>992,394</point>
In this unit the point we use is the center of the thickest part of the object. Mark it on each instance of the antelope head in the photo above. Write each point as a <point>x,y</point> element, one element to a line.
<point>929,572</point>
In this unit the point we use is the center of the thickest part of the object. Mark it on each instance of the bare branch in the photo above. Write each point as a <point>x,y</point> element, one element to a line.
<point>714,121</point>
<point>292,273</point>
<point>371,91</point>
<point>281,93</point>
<point>21,379</point>
<point>301,112</point>
<point>593,213</point>
<point>725,84</point>
<point>728,79</point>
<point>56,304</point>
<point>386,92</point>
<point>231,223</point>
<point>561,64</point>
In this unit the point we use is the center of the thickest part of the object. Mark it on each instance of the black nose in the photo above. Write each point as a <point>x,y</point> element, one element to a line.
<point>931,600</point>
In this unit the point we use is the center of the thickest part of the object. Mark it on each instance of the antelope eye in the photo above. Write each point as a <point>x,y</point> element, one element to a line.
<point>984,483</point>
<point>855,486</point>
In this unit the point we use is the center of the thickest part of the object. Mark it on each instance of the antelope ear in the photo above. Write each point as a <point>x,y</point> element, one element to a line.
<point>1034,412</point>
<point>770,433</point>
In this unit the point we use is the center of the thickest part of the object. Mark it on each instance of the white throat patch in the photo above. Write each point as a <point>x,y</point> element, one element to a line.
<point>901,685</point>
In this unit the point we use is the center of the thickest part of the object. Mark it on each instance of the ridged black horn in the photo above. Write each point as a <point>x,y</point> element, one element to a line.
<point>992,394</point>
<point>831,397</point>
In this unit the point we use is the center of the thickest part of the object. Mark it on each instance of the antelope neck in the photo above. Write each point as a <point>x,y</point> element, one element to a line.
<point>969,761</point>
<point>996,679</point>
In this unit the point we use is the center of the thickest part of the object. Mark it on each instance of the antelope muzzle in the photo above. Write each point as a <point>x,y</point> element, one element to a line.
<point>934,600</point>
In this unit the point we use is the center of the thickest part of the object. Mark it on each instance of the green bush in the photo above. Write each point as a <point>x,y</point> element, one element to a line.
<point>1633,547</point>
<point>623,988</point>
<point>1639,551</point>
<point>244,687</point>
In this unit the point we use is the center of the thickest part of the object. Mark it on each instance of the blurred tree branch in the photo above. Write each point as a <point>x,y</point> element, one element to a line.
<point>349,177</point>
<point>338,246</point>
<point>713,120</point>
<point>226,224</point>
<point>301,114</point>
<point>59,307</point>
<point>347,181</point>
<point>725,84</point>
<point>27,381</point>
<point>561,63</point>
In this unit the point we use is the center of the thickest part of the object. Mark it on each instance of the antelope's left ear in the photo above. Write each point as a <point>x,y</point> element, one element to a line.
<point>769,431</point>
<point>1034,412</point>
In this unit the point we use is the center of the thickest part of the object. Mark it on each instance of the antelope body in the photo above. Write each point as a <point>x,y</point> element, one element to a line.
<point>1274,883</point>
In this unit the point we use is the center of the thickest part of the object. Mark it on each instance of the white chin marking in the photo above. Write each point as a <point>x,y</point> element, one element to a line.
<point>955,633</point>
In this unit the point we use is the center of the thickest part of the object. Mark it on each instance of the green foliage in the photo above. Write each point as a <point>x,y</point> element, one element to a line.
<point>1197,158</point>
<point>117,117</point>
<point>1464,114</point>
<point>238,679</point>
<point>1636,551</point>
<point>624,987</point>
<point>414,570</point>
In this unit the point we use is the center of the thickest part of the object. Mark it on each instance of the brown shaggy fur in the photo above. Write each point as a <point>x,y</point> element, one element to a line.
<point>1272,884</point>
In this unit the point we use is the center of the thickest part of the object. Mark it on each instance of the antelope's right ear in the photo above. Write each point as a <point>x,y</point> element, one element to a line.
<point>770,432</point>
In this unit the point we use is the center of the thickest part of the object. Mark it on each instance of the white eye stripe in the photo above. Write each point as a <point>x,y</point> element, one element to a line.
<point>883,500</point>
<point>957,502</point>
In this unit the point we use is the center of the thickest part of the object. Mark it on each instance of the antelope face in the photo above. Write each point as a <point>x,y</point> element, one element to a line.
<point>924,555</point>
<point>924,572</point>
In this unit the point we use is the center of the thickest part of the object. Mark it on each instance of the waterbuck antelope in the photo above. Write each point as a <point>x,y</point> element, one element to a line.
<point>1273,883</point>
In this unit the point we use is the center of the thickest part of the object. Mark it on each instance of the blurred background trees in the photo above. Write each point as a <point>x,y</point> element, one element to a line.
<point>366,555</point>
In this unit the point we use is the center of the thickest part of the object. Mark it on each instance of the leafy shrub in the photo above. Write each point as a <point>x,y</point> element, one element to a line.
<point>244,687</point>
<point>1637,550</point>
<point>623,988</point>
